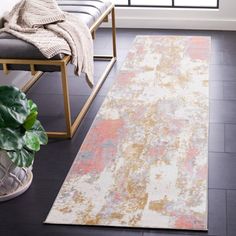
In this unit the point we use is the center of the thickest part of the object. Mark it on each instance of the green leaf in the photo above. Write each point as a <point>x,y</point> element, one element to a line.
<point>39,131</point>
<point>11,139</point>
<point>30,120</point>
<point>32,141</point>
<point>21,158</point>
<point>32,106</point>
<point>13,107</point>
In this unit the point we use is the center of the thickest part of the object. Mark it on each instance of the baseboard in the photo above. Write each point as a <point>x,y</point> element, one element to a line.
<point>168,23</point>
<point>167,18</point>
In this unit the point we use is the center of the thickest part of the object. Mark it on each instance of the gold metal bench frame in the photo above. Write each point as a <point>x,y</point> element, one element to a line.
<point>71,128</point>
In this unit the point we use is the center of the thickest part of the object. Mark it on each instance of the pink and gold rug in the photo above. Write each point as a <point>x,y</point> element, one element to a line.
<point>144,161</point>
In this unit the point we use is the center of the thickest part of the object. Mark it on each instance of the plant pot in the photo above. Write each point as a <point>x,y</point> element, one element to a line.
<point>13,180</point>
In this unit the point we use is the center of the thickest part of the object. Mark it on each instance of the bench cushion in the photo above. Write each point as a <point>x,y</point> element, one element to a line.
<point>14,48</point>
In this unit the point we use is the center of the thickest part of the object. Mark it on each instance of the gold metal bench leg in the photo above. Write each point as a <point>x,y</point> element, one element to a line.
<point>113,32</point>
<point>5,69</point>
<point>66,97</point>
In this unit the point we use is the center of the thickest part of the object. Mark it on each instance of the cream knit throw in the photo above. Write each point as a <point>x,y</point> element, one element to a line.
<point>43,24</point>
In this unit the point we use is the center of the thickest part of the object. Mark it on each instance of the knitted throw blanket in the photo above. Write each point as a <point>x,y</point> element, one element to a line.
<point>52,31</point>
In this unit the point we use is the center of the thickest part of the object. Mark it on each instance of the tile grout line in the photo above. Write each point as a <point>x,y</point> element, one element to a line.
<point>223,89</point>
<point>228,189</point>
<point>222,100</point>
<point>224,137</point>
<point>222,152</point>
<point>222,123</point>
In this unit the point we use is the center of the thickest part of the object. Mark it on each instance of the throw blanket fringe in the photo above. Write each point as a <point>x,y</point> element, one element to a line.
<point>52,31</point>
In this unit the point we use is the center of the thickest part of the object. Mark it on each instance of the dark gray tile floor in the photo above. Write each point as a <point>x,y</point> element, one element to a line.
<point>25,214</point>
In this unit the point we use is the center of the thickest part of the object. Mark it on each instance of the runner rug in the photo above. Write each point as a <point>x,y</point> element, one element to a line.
<point>144,161</point>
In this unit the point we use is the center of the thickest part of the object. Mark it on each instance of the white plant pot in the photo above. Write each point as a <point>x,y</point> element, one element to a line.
<point>13,180</point>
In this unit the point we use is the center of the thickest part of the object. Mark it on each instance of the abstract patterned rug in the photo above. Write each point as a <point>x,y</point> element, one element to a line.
<point>144,161</point>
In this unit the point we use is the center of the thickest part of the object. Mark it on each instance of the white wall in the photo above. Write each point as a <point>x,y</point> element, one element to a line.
<point>223,18</point>
<point>6,5</point>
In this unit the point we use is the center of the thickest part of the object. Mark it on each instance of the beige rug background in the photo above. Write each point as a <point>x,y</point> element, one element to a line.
<point>144,162</point>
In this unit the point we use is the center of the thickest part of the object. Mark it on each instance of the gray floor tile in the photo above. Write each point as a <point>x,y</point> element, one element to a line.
<point>216,89</point>
<point>216,42</point>
<point>124,43</point>
<point>216,138</point>
<point>231,212</point>
<point>229,58</point>
<point>230,138</point>
<point>229,89</point>
<point>221,155</point>
<point>52,105</point>
<point>49,230</point>
<point>217,58</point>
<point>101,40</point>
<point>222,111</point>
<point>222,174</point>
<point>226,42</point>
<point>107,85</point>
<point>52,114</point>
<point>176,234</point>
<point>217,212</point>
<point>94,108</point>
<point>223,72</point>
<point>229,45</point>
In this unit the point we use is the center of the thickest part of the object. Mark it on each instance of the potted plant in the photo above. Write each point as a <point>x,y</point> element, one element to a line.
<point>21,135</point>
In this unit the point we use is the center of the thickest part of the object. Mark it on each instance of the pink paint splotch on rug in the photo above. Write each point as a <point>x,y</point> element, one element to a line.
<point>144,160</point>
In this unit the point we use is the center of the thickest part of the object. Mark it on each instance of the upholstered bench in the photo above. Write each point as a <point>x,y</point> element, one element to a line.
<point>16,54</point>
